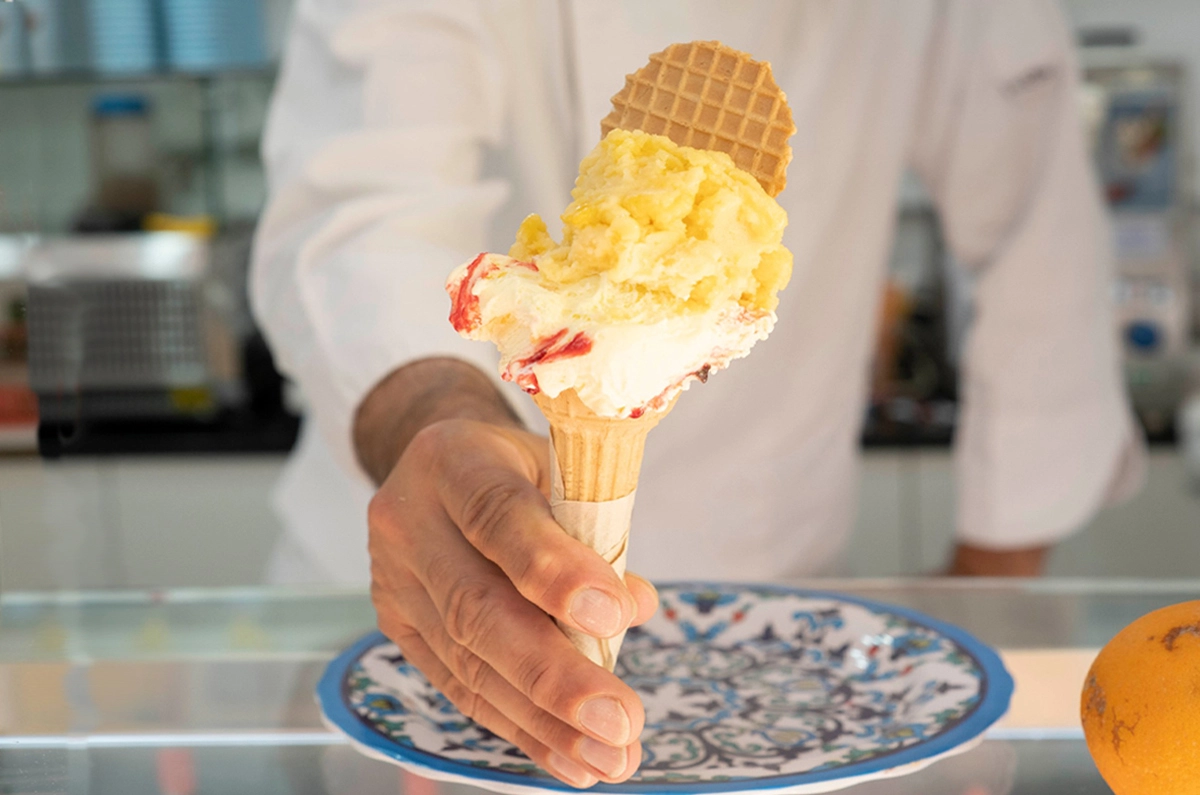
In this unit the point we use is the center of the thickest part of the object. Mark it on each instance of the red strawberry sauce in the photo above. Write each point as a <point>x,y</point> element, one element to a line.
<point>464,304</point>
<point>547,350</point>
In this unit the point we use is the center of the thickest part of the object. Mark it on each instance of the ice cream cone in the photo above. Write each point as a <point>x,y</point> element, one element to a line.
<point>704,95</point>
<point>595,463</point>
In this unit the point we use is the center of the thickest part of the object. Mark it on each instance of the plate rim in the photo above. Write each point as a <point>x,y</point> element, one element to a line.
<point>996,694</point>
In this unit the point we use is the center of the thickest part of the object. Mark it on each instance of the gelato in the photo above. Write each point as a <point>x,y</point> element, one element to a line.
<point>669,268</point>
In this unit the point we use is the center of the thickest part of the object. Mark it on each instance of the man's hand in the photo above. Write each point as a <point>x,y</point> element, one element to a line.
<point>469,569</point>
<point>980,562</point>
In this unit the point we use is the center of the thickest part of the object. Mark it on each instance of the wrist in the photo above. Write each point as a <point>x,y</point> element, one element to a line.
<point>416,396</point>
<point>970,560</point>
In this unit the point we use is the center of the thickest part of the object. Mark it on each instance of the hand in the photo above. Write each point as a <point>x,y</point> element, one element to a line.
<point>468,567</point>
<point>975,561</point>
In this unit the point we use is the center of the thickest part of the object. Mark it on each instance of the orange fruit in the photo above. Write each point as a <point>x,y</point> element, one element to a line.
<point>1141,705</point>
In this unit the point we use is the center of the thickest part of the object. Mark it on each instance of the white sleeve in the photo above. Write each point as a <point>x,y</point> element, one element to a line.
<point>373,150</point>
<point>1045,435</point>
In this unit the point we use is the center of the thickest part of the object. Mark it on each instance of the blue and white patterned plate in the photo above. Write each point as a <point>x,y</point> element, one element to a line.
<point>747,688</point>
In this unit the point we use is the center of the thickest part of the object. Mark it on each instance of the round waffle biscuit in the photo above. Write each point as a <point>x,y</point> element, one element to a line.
<point>708,96</point>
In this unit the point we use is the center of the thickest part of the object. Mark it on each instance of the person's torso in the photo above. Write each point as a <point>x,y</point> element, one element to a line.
<point>752,475</point>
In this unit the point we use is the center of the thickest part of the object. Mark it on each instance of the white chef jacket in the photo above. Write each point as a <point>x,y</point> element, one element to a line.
<point>405,137</point>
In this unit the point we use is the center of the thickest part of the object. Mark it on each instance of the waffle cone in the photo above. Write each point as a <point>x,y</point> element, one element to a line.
<point>599,457</point>
<point>595,462</point>
<point>708,96</point>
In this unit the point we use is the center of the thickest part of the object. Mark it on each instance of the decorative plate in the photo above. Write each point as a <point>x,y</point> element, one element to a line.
<point>747,688</point>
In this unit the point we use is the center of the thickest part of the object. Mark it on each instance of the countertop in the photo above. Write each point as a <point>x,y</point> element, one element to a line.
<point>212,690</point>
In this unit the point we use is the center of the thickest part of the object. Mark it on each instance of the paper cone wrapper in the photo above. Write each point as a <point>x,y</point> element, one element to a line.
<point>594,466</point>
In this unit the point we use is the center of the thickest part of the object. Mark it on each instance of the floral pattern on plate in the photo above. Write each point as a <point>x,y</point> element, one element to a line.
<point>745,688</point>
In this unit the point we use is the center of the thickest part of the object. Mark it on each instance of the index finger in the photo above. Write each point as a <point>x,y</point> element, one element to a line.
<point>505,516</point>
<point>486,617</point>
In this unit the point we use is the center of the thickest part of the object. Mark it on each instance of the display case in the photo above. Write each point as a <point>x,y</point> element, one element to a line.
<point>103,161</point>
<point>212,691</point>
<point>1137,119</point>
<point>200,134</point>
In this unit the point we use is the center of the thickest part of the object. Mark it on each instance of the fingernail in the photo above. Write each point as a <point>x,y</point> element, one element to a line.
<point>607,719</point>
<point>597,613</point>
<point>653,588</point>
<point>608,760</point>
<point>570,772</point>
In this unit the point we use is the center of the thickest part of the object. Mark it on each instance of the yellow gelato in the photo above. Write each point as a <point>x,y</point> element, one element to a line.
<point>670,229</point>
<point>669,268</point>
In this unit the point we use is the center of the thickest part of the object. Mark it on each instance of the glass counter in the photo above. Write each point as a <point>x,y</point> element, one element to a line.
<point>191,691</point>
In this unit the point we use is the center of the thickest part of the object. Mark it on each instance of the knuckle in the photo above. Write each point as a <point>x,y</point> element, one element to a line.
<point>441,566</point>
<point>427,444</point>
<point>378,514</point>
<point>381,514</point>
<point>468,702</point>
<point>415,648</point>
<point>469,611</point>
<point>395,628</point>
<point>470,669</point>
<point>379,583</point>
<point>486,509</point>
<point>390,579</point>
<point>549,730</point>
<point>542,574</point>
<point>534,677</point>
<point>428,438</point>
<point>389,536</point>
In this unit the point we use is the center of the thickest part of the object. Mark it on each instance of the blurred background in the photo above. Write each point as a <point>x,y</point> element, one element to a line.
<point>143,424</point>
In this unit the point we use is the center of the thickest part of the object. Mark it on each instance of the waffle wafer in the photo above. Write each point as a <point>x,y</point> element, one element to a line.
<point>708,96</point>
